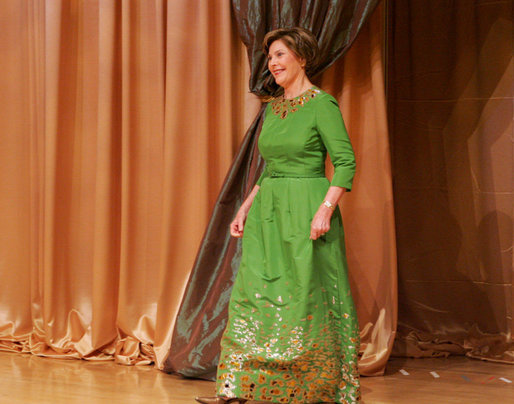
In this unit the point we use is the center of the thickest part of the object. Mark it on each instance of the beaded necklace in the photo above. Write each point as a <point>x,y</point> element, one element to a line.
<point>283,106</point>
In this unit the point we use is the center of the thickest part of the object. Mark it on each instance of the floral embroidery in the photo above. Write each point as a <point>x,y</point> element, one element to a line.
<point>283,106</point>
<point>296,364</point>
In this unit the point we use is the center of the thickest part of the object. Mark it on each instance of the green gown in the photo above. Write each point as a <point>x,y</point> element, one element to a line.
<point>292,334</point>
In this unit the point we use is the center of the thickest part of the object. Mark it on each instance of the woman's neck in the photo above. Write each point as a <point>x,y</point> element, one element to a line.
<point>298,87</point>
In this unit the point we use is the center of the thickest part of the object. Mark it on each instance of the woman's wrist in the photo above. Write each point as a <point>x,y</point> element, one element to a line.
<point>325,211</point>
<point>329,205</point>
<point>244,208</point>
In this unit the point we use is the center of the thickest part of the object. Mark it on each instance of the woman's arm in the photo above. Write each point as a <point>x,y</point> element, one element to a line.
<point>321,222</point>
<point>236,227</point>
<point>334,135</point>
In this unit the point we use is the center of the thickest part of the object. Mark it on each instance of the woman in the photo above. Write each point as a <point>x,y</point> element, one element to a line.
<point>292,334</point>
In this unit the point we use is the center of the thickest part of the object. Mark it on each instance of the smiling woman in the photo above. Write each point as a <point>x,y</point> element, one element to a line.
<point>292,53</point>
<point>292,334</point>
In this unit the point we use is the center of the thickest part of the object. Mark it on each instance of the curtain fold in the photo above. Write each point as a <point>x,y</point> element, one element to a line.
<point>335,24</point>
<point>451,111</point>
<point>202,316</point>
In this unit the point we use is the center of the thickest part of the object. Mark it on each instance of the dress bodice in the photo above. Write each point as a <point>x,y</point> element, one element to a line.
<point>297,133</point>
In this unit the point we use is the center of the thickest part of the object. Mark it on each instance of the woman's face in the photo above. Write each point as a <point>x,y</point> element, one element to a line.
<point>283,64</point>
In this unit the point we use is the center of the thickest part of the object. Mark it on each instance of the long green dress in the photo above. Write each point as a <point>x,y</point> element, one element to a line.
<point>292,334</point>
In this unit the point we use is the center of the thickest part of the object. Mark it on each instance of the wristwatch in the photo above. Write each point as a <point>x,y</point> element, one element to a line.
<point>329,205</point>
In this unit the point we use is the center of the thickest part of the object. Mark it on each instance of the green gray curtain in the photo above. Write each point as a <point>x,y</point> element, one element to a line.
<point>335,23</point>
<point>202,316</point>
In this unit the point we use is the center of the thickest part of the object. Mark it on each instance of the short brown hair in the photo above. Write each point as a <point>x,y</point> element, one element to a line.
<point>301,41</point>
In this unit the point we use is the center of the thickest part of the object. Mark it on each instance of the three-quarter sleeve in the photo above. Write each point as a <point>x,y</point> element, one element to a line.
<point>334,135</point>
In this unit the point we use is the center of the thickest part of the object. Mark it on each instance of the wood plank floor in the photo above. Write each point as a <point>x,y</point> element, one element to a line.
<point>31,379</point>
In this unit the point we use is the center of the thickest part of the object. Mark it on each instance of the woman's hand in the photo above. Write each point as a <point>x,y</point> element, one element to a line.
<point>321,222</point>
<point>236,227</point>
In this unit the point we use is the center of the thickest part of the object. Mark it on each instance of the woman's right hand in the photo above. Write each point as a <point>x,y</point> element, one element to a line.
<point>236,227</point>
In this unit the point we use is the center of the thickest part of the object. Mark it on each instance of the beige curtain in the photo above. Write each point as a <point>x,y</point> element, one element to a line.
<point>119,122</point>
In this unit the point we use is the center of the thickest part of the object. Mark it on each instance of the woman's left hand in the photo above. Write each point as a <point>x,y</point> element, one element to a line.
<point>321,222</point>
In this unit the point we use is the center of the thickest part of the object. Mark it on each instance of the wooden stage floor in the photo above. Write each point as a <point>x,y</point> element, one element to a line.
<point>31,379</point>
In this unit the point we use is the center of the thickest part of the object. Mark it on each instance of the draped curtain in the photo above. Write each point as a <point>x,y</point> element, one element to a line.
<point>450,108</point>
<point>118,124</point>
<point>367,212</point>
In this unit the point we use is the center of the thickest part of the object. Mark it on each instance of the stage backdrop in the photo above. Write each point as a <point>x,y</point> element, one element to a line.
<point>450,105</point>
<point>119,122</point>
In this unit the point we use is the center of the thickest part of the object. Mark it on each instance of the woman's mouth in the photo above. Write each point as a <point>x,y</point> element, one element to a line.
<point>277,72</point>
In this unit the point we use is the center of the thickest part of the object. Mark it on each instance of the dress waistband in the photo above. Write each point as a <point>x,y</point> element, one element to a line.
<point>276,174</point>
